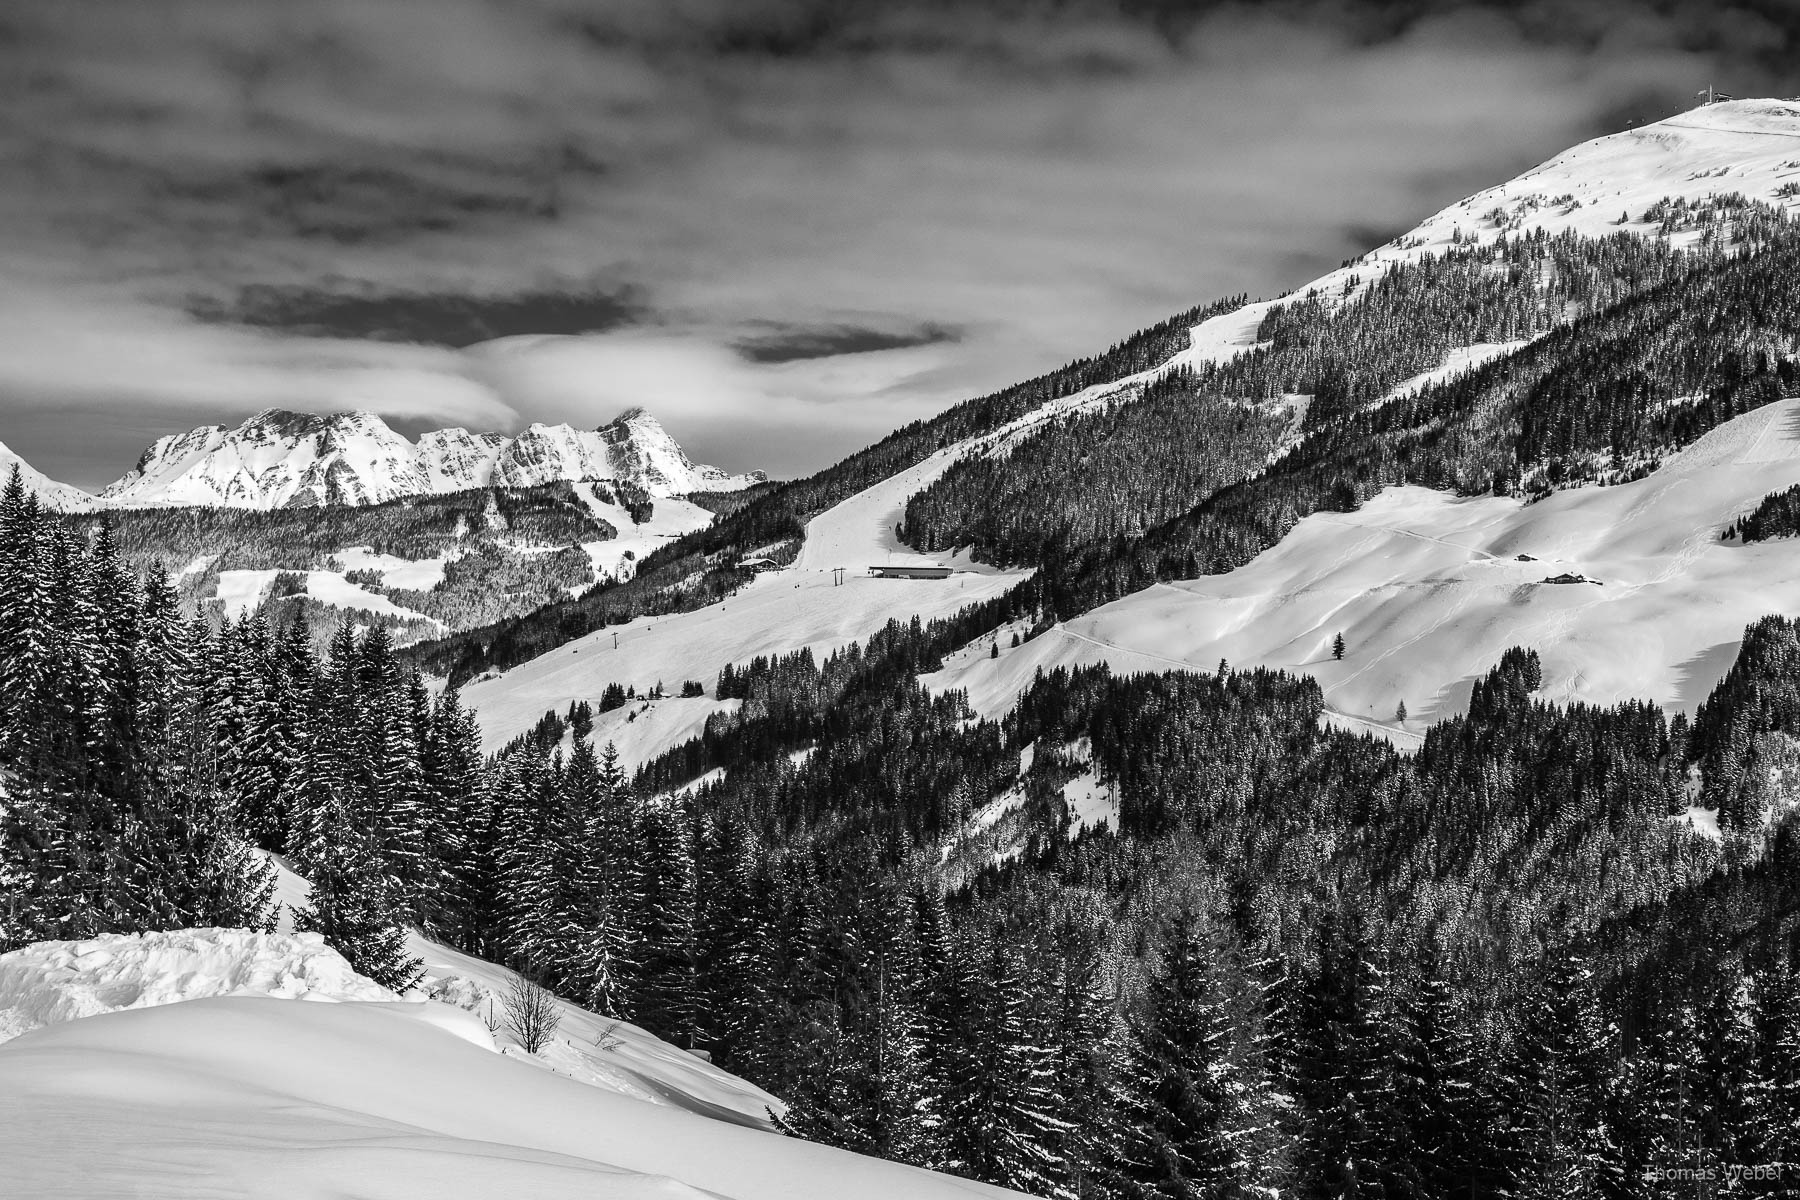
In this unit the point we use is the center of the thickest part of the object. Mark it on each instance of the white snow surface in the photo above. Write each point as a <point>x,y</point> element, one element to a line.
<point>1744,146</point>
<point>617,557</point>
<point>412,574</point>
<point>280,459</point>
<point>185,1065</point>
<point>250,1097</point>
<point>1428,591</point>
<point>241,591</point>
<point>52,982</point>
<point>586,1046</point>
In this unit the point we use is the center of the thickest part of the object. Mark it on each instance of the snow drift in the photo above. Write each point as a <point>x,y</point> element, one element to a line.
<point>54,982</point>
<point>228,1094</point>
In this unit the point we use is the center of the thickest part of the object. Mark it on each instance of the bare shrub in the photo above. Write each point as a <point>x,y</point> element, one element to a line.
<point>530,1014</point>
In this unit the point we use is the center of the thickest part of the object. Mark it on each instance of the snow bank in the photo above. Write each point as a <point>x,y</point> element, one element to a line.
<point>54,982</point>
<point>247,1098</point>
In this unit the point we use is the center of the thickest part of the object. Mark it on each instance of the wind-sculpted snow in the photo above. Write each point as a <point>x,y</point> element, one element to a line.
<point>180,1064</point>
<point>585,1046</point>
<point>53,982</point>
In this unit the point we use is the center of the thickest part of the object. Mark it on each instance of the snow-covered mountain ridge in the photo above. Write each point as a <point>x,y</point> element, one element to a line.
<point>280,459</point>
<point>1595,189</point>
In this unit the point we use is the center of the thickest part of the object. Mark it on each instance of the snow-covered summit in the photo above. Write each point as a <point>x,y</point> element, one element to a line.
<point>280,459</point>
<point>1597,188</point>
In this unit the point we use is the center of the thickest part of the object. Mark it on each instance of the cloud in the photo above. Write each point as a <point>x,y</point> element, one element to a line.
<point>435,319</point>
<point>734,202</point>
<point>721,407</point>
<point>775,343</point>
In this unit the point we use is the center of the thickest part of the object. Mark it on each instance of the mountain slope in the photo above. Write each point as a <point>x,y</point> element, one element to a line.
<point>1703,182</point>
<point>282,459</point>
<point>779,610</point>
<point>49,492</point>
<point>1429,589</point>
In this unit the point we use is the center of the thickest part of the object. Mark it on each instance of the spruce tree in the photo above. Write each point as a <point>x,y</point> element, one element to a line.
<point>1187,1104</point>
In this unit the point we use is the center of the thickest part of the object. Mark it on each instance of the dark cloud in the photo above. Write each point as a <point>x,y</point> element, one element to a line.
<point>358,204</point>
<point>784,343</point>
<point>430,319</point>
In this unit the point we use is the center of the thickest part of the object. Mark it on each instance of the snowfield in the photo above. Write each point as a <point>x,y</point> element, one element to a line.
<point>411,574</point>
<point>241,591</point>
<point>618,557</point>
<point>1429,589</point>
<point>252,1097</point>
<point>191,1063</point>
<point>56,495</point>
<point>586,1046</point>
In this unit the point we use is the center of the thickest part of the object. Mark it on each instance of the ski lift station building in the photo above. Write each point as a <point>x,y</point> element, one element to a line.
<point>892,571</point>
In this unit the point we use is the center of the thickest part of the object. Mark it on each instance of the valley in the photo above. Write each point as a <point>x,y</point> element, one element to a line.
<point>1344,744</point>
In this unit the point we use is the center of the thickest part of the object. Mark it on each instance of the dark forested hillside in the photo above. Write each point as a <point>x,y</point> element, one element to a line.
<point>1076,484</point>
<point>1598,400</point>
<point>1101,475</point>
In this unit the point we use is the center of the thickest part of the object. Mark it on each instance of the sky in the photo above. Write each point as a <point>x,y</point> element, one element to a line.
<point>785,227</point>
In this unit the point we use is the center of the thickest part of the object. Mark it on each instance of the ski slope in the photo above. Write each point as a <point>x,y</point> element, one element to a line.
<point>1429,590</point>
<point>778,612</point>
<point>617,557</point>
